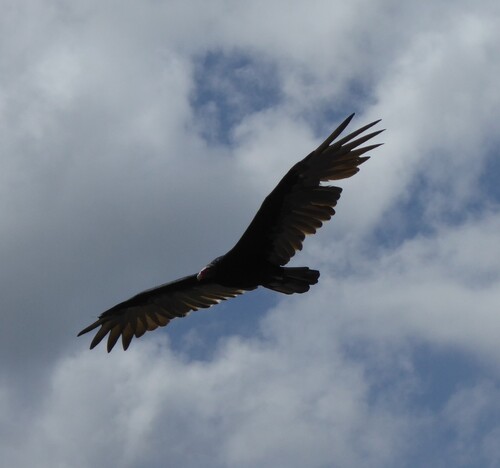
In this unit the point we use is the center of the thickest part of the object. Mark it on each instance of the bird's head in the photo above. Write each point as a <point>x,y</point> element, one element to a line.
<point>209,270</point>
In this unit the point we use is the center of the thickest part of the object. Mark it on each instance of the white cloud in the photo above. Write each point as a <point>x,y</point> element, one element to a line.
<point>251,405</point>
<point>107,186</point>
<point>297,395</point>
<point>441,289</point>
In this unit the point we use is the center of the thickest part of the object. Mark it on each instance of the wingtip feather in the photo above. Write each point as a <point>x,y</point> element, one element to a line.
<point>334,134</point>
<point>89,328</point>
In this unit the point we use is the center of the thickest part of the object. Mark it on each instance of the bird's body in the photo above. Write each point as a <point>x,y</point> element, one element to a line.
<point>297,206</point>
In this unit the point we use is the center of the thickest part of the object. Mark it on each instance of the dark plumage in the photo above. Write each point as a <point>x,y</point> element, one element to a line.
<point>298,206</point>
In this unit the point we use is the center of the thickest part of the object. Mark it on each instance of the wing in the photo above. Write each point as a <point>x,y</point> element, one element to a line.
<point>155,307</point>
<point>299,204</point>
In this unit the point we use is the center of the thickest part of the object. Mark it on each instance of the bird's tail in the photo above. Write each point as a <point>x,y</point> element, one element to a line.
<point>293,280</point>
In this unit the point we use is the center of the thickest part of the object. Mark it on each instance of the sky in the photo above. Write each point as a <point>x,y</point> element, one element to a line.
<point>137,141</point>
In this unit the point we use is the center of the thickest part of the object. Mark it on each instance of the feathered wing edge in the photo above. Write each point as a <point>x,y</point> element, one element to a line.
<point>155,308</point>
<point>335,160</point>
<point>306,204</point>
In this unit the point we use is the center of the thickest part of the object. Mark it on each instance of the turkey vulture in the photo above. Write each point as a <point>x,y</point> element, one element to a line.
<point>298,206</point>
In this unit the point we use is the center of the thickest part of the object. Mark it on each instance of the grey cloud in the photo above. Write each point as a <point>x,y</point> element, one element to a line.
<point>108,187</point>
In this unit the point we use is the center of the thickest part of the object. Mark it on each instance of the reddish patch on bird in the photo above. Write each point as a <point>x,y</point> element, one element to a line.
<point>202,274</point>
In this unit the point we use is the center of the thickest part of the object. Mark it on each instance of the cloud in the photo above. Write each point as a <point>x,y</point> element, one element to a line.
<point>313,393</point>
<point>250,405</point>
<point>116,174</point>
<point>443,290</point>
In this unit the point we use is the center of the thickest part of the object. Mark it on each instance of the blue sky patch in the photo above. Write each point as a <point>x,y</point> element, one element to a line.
<point>230,87</point>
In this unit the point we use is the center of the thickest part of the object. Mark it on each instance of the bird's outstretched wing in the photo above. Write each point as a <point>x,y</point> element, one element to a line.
<point>296,207</point>
<point>300,204</point>
<point>156,307</point>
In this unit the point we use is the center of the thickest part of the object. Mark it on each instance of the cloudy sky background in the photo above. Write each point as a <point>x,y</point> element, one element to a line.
<point>137,141</point>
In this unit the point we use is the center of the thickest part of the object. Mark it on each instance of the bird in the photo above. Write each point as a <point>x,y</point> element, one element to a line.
<point>298,206</point>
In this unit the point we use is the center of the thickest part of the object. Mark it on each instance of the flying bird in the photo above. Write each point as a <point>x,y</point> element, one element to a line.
<point>297,206</point>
